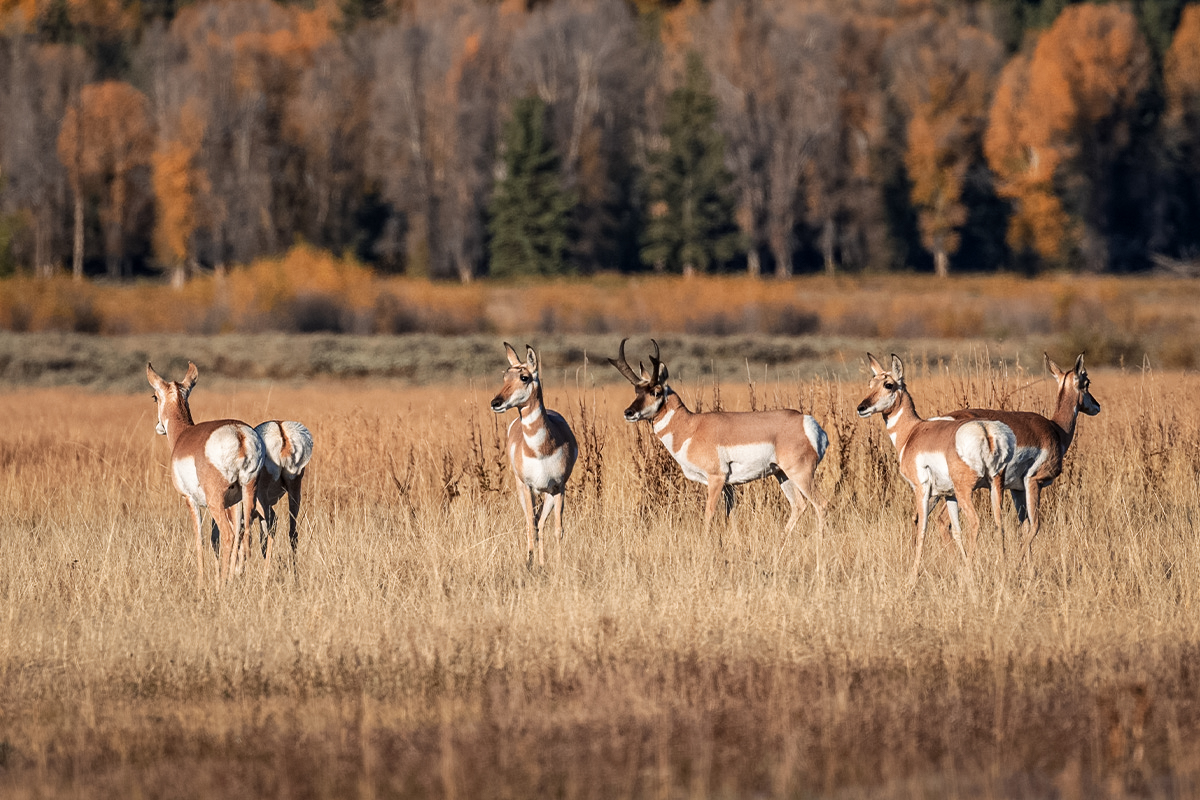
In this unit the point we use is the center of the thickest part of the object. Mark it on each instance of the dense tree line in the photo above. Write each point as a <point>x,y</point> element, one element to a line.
<point>461,138</point>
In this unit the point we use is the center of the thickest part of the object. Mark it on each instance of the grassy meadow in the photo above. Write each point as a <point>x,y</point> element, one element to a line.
<point>414,655</point>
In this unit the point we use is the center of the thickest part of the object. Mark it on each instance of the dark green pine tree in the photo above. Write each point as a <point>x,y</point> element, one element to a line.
<point>690,223</point>
<point>530,212</point>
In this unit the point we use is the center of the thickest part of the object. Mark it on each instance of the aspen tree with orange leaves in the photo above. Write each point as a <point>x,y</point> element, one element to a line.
<point>943,73</point>
<point>1060,121</point>
<point>1181,124</point>
<point>178,183</point>
<point>105,136</point>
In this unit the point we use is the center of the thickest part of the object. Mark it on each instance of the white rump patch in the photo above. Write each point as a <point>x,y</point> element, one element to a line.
<point>986,446</point>
<point>816,435</point>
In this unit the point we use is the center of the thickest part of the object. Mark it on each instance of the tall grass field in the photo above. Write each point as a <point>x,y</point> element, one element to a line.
<point>413,653</point>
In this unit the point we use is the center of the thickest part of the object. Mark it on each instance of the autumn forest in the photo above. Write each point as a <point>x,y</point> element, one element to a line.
<point>464,139</point>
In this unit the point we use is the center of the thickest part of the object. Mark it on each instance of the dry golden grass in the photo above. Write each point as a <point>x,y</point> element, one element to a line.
<point>417,657</point>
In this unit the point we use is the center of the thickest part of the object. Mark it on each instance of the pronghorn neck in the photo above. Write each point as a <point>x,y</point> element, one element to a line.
<point>669,413</point>
<point>178,418</point>
<point>901,419</point>
<point>533,411</point>
<point>1066,413</point>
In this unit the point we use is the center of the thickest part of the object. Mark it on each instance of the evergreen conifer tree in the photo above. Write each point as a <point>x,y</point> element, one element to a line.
<point>690,222</point>
<point>530,211</point>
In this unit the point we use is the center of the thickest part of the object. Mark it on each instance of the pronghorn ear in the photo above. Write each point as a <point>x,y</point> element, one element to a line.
<point>531,359</point>
<point>1055,370</point>
<point>897,368</point>
<point>662,373</point>
<point>155,380</point>
<point>189,380</point>
<point>642,371</point>
<point>513,359</point>
<point>876,367</point>
<point>1079,364</point>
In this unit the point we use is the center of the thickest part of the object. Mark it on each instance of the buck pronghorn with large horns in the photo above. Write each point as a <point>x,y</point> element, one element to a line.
<point>1041,443</point>
<point>214,465</point>
<point>939,457</point>
<point>724,448</point>
<point>541,447</point>
<point>288,449</point>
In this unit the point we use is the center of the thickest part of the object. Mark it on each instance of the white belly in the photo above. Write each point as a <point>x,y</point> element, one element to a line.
<point>545,474</point>
<point>747,462</point>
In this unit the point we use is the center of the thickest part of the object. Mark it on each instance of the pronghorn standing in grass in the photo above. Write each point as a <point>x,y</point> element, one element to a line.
<point>288,449</point>
<point>939,457</point>
<point>541,447</point>
<point>1041,443</point>
<point>724,448</point>
<point>214,465</point>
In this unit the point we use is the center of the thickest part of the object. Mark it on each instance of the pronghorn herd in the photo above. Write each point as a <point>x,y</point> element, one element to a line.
<point>239,473</point>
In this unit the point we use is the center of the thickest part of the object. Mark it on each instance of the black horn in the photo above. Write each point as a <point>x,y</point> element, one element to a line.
<point>623,366</point>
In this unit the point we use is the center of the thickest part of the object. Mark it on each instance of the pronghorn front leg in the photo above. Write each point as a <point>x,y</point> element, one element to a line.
<point>525,495</point>
<point>716,492</point>
<point>196,520</point>
<point>925,501</point>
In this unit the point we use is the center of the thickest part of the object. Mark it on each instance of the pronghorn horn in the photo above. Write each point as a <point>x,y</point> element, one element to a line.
<point>655,362</point>
<point>622,365</point>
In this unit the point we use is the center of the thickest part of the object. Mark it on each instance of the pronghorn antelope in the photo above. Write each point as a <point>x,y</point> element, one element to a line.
<point>1041,443</point>
<point>289,448</point>
<point>724,448</point>
<point>541,447</point>
<point>939,457</point>
<point>214,465</point>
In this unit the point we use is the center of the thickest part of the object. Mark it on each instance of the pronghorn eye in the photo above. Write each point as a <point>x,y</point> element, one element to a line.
<point>525,378</point>
<point>891,387</point>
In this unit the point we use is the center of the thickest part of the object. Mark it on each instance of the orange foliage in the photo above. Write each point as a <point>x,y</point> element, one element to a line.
<point>19,13</point>
<point>107,132</point>
<point>945,84</point>
<point>1181,72</point>
<point>1087,68</point>
<point>177,182</point>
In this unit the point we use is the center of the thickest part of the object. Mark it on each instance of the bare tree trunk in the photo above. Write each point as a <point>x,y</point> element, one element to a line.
<point>941,263</point>
<point>753,263</point>
<point>828,234</point>
<point>77,257</point>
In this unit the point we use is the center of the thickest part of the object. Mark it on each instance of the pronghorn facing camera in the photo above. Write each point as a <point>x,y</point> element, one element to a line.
<point>1041,443</point>
<point>541,447</point>
<point>214,465</point>
<point>724,448</point>
<point>288,449</point>
<point>941,457</point>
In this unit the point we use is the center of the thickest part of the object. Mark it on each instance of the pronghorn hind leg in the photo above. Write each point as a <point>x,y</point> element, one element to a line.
<point>294,487</point>
<point>996,490</point>
<point>788,487</point>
